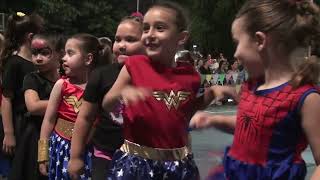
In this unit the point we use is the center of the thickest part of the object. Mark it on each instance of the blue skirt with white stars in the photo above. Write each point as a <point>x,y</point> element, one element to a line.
<point>125,166</point>
<point>59,154</point>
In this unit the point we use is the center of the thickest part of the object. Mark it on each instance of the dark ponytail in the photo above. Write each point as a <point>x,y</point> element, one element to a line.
<point>18,26</point>
<point>307,73</point>
<point>307,30</point>
<point>91,44</point>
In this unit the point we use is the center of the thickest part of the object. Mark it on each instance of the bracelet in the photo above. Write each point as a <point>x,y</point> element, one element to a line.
<point>43,150</point>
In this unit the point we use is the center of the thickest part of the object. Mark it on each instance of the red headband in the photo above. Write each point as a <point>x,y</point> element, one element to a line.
<point>39,43</point>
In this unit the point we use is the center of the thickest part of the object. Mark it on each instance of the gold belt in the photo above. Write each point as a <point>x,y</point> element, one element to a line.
<point>156,154</point>
<point>64,128</point>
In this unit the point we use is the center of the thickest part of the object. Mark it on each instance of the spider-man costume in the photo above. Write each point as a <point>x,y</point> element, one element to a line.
<point>268,139</point>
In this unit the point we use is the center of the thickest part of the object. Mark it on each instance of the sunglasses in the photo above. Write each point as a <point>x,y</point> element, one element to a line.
<point>47,52</point>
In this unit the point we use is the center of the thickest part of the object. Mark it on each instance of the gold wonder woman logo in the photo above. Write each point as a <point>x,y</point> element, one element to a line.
<point>171,100</point>
<point>74,102</point>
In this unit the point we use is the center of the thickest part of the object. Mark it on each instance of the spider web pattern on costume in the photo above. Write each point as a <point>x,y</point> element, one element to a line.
<point>258,115</point>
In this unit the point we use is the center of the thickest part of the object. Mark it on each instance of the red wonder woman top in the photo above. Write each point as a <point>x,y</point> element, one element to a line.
<point>161,121</point>
<point>71,101</point>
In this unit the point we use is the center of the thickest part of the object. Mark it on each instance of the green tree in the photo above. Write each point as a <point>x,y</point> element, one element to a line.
<point>98,17</point>
<point>91,16</point>
<point>210,20</point>
<point>211,25</point>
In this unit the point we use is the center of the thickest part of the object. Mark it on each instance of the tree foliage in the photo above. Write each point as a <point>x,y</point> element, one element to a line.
<point>210,20</point>
<point>211,24</point>
<point>98,17</point>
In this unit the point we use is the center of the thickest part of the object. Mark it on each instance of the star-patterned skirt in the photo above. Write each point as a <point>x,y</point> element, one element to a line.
<point>59,154</point>
<point>125,166</point>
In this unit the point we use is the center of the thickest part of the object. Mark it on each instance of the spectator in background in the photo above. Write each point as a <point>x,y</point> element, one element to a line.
<point>184,56</point>
<point>233,72</point>
<point>106,44</point>
<point>221,58</point>
<point>241,75</point>
<point>223,67</point>
<point>214,66</point>
<point>205,68</point>
<point>199,64</point>
<point>209,57</point>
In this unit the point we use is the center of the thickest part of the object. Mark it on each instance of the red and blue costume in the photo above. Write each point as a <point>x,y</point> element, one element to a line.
<point>268,139</point>
<point>60,139</point>
<point>160,121</point>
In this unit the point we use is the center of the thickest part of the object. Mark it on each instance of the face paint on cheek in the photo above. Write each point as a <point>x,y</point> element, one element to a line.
<point>39,44</point>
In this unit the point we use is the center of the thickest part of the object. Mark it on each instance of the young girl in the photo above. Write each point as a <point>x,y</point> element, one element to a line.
<point>160,96</point>
<point>108,133</point>
<point>83,52</point>
<point>15,64</point>
<point>278,114</point>
<point>47,51</point>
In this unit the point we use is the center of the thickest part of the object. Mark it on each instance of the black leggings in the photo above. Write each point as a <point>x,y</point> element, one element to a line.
<point>100,166</point>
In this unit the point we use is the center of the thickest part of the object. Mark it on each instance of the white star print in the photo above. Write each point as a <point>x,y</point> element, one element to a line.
<point>64,170</point>
<point>63,142</point>
<point>87,167</point>
<point>133,165</point>
<point>120,173</point>
<point>50,148</point>
<point>82,176</point>
<point>89,154</point>
<point>66,146</point>
<point>61,153</point>
<point>58,163</point>
<point>151,173</point>
<point>59,138</point>
<point>66,158</point>
<point>176,163</point>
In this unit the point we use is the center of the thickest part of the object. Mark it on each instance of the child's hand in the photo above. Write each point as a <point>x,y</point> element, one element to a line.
<point>43,168</point>
<point>131,95</point>
<point>9,143</point>
<point>200,120</point>
<point>75,168</point>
